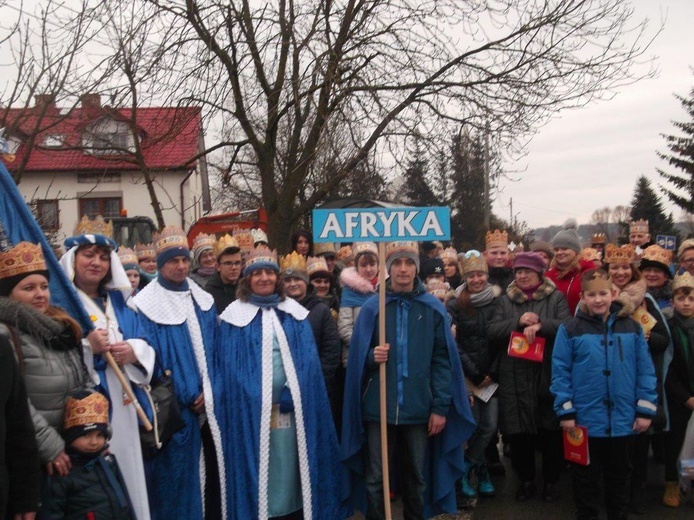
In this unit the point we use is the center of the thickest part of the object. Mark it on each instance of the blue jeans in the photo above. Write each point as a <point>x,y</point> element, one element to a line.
<point>412,442</point>
<point>487,416</point>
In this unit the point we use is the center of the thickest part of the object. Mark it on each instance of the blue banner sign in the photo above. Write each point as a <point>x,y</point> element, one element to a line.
<point>381,224</point>
<point>667,242</point>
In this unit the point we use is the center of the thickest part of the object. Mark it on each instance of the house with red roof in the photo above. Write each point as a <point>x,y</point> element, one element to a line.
<point>92,159</point>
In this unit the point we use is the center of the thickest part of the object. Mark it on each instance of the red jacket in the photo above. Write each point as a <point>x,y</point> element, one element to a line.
<point>569,284</point>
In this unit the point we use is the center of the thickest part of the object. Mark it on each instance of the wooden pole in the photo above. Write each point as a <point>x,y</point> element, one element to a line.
<point>382,374</point>
<point>129,391</point>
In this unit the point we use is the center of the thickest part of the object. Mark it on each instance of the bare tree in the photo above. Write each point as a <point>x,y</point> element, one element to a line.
<point>620,216</point>
<point>284,75</point>
<point>600,219</point>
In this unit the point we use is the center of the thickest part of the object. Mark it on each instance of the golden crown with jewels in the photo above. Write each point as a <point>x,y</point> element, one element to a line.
<point>203,241</point>
<point>345,255</point>
<point>316,264</point>
<point>92,409</point>
<point>449,254</point>
<point>260,255</point>
<point>224,243</point>
<point>324,248</point>
<point>496,238</point>
<point>598,238</point>
<point>655,253</point>
<point>145,251</point>
<point>244,238</point>
<point>590,254</point>
<point>127,256</point>
<point>619,255</point>
<point>683,280</point>
<point>98,226</point>
<point>361,248</point>
<point>292,263</point>
<point>473,261</point>
<point>638,226</point>
<point>25,257</point>
<point>170,236</point>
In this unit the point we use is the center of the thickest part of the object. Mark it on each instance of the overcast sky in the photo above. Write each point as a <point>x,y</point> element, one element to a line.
<point>590,158</point>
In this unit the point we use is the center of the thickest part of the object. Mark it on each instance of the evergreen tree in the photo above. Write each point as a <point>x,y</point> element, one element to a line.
<point>682,158</point>
<point>646,204</point>
<point>416,190</point>
<point>467,198</point>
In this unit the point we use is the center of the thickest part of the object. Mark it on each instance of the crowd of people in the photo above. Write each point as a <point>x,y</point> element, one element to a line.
<point>275,365</point>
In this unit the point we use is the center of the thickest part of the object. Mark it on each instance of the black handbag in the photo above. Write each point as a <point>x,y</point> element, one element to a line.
<point>166,413</point>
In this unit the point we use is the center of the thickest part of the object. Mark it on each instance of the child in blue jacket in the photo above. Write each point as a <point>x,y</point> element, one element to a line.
<point>603,378</point>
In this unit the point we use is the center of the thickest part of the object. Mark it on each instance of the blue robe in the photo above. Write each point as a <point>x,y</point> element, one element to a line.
<point>175,470</point>
<point>237,389</point>
<point>444,462</point>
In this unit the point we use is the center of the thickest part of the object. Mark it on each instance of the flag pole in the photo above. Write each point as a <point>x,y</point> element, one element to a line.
<point>382,376</point>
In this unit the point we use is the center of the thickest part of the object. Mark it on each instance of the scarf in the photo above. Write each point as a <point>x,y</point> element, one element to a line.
<point>265,302</point>
<point>170,286</point>
<point>206,271</point>
<point>483,297</point>
<point>529,292</point>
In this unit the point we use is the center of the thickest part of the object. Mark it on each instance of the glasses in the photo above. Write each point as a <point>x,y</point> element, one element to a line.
<point>229,263</point>
<point>687,261</point>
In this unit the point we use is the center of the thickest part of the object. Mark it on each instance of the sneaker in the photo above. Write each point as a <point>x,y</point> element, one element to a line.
<point>484,484</point>
<point>525,491</point>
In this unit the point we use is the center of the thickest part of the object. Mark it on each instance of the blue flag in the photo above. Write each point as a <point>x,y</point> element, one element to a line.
<point>19,224</point>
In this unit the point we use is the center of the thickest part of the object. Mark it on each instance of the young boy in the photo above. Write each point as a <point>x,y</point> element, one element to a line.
<point>679,383</point>
<point>94,488</point>
<point>602,378</point>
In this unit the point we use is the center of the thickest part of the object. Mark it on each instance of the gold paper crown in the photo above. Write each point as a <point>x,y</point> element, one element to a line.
<point>655,253</point>
<point>590,254</point>
<point>203,241</point>
<point>25,257</point>
<point>638,226</point>
<point>473,261</point>
<point>619,255</point>
<point>170,236</point>
<point>259,236</point>
<point>449,254</point>
<point>683,280</point>
<point>345,255</point>
<point>224,243</point>
<point>92,409</point>
<point>598,238</point>
<point>437,288</point>
<point>98,226</point>
<point>316,264</point>
<point>360,248</point>
<point>293,262</point>
<point>324,248</point>
<point>145,251</point>
<point>127,256</point>
<point>260,254</point>
<point>596,280</point>
<point>496,239</point>
<point>401,246</point>
<point>244,238</point>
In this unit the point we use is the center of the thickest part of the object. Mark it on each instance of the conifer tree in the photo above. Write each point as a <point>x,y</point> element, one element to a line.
<point>416,189</point>
<point>646,204</point>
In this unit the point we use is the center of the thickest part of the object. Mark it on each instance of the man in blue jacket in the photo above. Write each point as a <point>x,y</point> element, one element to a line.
<point>427,413</point>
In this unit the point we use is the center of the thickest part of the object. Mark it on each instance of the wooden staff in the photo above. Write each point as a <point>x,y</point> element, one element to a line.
<point>129,391</point>
<point>382,374</point>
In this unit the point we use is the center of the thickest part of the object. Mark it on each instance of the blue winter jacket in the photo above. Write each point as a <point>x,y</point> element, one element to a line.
<point>602,374</point>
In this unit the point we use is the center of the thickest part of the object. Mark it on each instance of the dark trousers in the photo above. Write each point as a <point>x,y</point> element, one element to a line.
<point>412,442</point>
<point>674,439</point>
<point>638,453</point>
<point>523,455</point>
<point>609,457</point>
<point>213,495</point>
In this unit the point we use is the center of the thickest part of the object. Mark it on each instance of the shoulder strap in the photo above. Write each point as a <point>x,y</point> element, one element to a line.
<point>14,336</point>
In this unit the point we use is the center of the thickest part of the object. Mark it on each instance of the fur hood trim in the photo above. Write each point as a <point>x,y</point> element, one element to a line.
<point>516,295</point>
<point>29,320</point>
<point>351,279</point>
<point>631,297</point>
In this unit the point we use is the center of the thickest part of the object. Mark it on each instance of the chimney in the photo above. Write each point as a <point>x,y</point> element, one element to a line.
<point>90,100</point>
<point>45,100</point>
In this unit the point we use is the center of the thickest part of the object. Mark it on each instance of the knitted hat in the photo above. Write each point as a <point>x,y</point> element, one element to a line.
<point>261,258</point>
<point>128,258</point>
<point>96,232</point>
<point>532,261</point>
<point>17,263</point>
<point>542,246</point>
<point>395,250</point>
<point>656,256</point>
<point>431,267</point>
<point>294,266</point>
<point>170,243</point>
<point>567,238</point>
<point>203,242</point>
<point>473,261</point>
<point>427,247</point>
<point>85,411</point>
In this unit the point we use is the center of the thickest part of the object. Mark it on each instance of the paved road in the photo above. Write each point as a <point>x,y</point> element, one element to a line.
<point>505,507</point>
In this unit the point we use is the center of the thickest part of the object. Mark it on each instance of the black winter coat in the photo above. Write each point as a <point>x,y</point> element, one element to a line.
<point>476,353</point>
<point>95,485</point>
<point>327,338</point>
<point>20,469</point>
<point>223,293</point>
<point>679,384</point>
<point>525,402</point>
